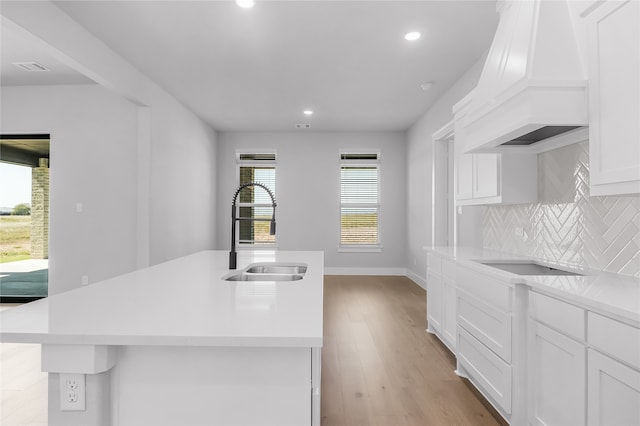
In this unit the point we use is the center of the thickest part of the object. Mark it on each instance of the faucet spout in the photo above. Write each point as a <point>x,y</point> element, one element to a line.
<point>233,256</point>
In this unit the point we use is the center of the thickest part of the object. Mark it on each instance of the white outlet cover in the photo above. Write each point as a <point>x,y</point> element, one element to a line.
<point>72,392</point>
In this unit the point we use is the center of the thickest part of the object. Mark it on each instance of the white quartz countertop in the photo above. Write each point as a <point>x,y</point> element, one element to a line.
<point>615,295</point>
<point>182,302</point>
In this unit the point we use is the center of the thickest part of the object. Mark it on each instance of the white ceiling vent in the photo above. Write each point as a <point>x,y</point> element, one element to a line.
<point>31,66</point>
<point>303,126</point>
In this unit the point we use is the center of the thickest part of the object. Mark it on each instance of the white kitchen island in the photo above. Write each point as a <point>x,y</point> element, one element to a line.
<point>176,344</point>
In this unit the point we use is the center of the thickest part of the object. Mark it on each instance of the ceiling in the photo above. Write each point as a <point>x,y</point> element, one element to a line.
<point>258,69</point>
<point>15,48</point>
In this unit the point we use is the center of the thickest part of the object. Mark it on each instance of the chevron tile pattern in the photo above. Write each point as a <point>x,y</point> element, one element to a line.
<point>567,225</point>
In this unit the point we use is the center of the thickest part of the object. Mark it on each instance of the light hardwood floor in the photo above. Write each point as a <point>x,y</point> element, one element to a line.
<point>379,366</point>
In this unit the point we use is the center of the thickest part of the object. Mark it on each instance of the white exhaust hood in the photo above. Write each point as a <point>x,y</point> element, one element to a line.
<point>533,86</point>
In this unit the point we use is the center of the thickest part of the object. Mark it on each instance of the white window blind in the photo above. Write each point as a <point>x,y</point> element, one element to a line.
<point>359,200</point>
<point>254,202</point>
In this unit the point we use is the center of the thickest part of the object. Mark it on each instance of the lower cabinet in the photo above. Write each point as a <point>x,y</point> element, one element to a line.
<point>434,302</point>
<point>614,391</point>
<point>557,382</point>
<point>537,357</point>
<point>441,300</point>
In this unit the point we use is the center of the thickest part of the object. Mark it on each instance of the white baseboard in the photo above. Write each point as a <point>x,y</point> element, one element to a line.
<point>403,272</point>
<point>422,282</point>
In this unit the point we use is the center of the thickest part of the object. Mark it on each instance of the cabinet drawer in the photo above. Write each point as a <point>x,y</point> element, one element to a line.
<point>491,374</point>
<point>619,340</point>
<point>485,288</point>
<point>562,316</point>
<point>489,325</point>
<point>448,270</point>
<point>434,263</point>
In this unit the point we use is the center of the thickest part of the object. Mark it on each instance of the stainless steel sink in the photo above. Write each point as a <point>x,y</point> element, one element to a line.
<point>263,277</point>
<point>277,268</point>
<point>527,268</point>
<point>269,271</point>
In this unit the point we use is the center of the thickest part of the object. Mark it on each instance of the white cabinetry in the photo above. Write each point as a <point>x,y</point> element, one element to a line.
<point>583,367</point>
<point>614,392</point>
<point>484,336</point>
<point>613,372</point>
<point>441,299</point>
<point>492,178</point>
<point>614,97</point>
<point>557,362</point>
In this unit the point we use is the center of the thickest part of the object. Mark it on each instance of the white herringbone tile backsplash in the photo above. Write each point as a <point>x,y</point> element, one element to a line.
<point>567,225</point>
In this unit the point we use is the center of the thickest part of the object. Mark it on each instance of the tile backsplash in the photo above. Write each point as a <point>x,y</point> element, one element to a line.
<point>567,225</point>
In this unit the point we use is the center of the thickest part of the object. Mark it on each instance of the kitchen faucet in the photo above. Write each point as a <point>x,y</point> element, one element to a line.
<point>233,256</point>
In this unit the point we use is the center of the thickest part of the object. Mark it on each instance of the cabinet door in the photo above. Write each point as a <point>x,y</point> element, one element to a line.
<point>464,176</point>
<point>614,392</point>
<point>434,302</point>
<point>614,97</point>
<point>486,175</point>
<point>449,313</point>
<point>557,378</point>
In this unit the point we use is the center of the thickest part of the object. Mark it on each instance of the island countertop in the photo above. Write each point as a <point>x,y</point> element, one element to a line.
<point>182,302</point>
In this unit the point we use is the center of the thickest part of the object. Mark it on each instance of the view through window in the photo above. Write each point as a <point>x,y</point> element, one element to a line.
<point>254,202</point>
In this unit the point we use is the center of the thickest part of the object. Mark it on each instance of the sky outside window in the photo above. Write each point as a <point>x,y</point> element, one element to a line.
<point>15,185</point>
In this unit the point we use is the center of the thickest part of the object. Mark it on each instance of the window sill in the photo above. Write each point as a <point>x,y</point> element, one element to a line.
<point>360,249</point>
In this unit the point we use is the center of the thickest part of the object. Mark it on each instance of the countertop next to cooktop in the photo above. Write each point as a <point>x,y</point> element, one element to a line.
<point>611,294</point>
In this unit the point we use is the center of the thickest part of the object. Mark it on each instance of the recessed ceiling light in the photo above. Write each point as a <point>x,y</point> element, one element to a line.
<point>307,112</point>
<point>412,36</point>
<point>246,4</point>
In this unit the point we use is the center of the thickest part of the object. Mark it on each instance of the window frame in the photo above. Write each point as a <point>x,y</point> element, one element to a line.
<point>246,244</point>
<point>377,162</point>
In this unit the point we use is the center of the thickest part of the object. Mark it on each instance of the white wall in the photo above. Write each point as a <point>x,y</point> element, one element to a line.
<point>419,178</point>
<point>307,182</point>
<point>183,179</point>
<point>93,162</point>
<point>174,178</point>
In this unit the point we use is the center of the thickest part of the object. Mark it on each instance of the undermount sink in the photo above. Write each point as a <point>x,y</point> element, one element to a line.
<point>527,268</point>
<point>269,271</point>
<point>277,268</point>
<point>263,277</point>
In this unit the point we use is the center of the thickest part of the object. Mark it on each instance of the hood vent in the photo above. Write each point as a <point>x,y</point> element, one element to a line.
<point>533,85</point>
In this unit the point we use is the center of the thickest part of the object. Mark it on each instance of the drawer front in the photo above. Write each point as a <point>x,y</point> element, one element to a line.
<point>562,316</point>
<point>489,325</point>
<point>449,270</point>
<point>487,371</point>
<point>485,288</point>
<point>434,263</point>
<point>617,339</point>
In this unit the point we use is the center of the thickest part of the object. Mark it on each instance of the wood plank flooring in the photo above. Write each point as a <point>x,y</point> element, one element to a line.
<point>379,366</point>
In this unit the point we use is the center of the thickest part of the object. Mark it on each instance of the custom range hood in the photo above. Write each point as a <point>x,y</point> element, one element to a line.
<point>533,86</point>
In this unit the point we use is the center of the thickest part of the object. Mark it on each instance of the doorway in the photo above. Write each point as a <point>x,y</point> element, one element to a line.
<point>24,217</point>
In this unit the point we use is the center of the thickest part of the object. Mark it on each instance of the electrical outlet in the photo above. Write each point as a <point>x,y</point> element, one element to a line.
<point>85,280</point>
<point>72,392</point>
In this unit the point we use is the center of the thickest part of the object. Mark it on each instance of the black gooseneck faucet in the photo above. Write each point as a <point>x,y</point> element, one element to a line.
<point>233,256</point>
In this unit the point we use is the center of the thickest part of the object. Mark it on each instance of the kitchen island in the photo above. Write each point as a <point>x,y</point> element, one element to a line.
<point>176,343</point>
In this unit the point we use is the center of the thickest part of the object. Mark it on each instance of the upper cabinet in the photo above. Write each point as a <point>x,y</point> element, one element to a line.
<point>614,96</point>
<point>491,178</point>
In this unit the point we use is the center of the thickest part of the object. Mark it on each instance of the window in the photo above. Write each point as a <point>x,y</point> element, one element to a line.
<point>254,202</point>
<point>359,201</point>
